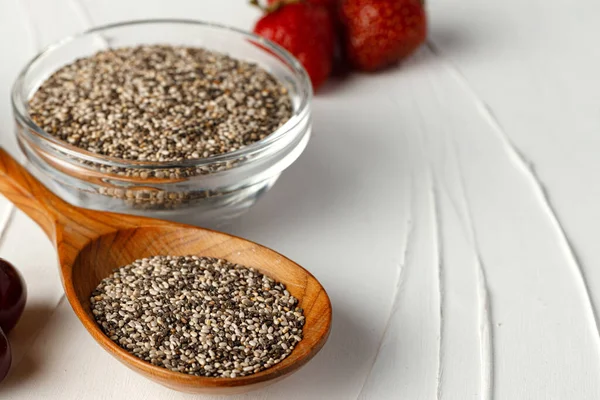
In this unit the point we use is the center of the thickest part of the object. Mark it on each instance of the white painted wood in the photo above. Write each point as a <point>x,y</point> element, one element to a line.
<point>449,206</point>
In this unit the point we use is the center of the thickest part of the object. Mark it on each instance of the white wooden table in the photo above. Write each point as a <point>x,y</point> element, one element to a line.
<point>450,207</point>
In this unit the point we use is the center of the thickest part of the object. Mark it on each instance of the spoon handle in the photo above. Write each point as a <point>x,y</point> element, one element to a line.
<point>29,195</point>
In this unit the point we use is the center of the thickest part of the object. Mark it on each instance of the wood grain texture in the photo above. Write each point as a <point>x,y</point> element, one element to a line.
<point>92,244</point>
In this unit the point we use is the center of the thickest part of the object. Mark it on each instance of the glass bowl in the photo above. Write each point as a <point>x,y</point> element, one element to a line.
<point>201,191</point>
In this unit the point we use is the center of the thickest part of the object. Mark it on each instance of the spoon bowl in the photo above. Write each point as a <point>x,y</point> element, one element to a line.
<point>92,244</point>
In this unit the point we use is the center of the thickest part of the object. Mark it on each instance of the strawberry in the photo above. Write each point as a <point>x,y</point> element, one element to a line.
<point>339,63</point>
<point>306,31</point>
<point>381,32</point>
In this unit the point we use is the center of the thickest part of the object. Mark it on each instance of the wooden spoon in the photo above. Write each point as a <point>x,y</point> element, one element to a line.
<point>92,244</point>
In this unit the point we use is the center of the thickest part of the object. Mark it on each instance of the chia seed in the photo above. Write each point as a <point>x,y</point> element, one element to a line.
<point>198,315</point>
<point>160,103</point>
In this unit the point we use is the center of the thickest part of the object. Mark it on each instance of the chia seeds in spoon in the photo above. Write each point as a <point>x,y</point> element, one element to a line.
<point>198,315</point>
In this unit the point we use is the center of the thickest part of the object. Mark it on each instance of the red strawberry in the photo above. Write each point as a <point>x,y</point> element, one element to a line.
<point>340,66</point>
<point>381,32</point>
<point>306,31</point>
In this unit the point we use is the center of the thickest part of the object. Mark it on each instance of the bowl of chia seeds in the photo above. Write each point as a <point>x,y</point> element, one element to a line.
<point>173,119</point>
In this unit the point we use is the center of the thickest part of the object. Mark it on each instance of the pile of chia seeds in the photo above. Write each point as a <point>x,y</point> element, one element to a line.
<point>198,315</point>
<point>159,103</point>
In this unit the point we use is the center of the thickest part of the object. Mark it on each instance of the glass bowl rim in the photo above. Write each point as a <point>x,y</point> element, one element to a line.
<point>21,112</point>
